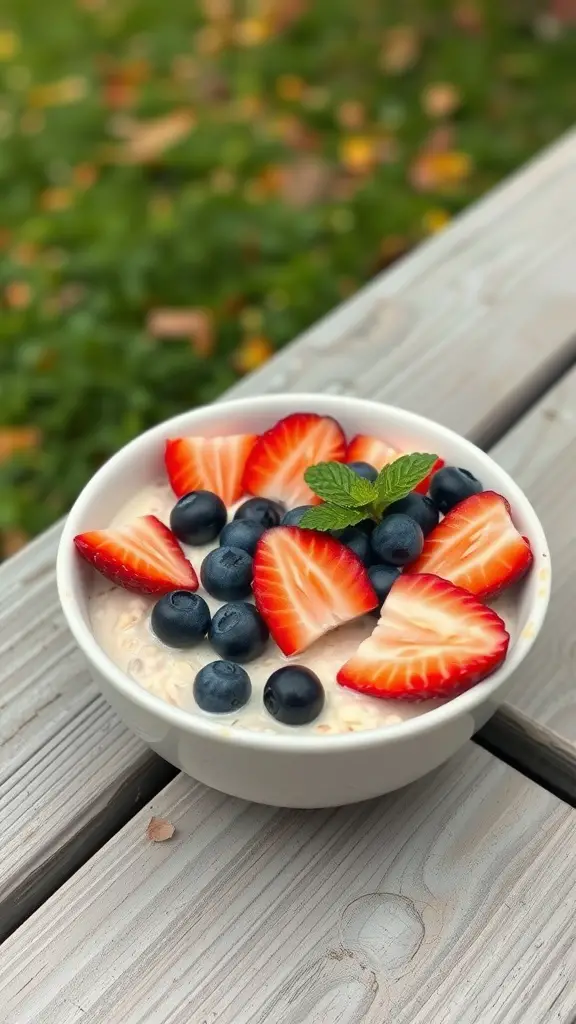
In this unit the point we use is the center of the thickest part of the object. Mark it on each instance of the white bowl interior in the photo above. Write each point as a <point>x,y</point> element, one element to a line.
<point>141,462</point>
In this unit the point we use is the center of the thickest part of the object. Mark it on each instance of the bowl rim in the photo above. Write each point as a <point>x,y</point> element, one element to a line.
<point>219,731</point>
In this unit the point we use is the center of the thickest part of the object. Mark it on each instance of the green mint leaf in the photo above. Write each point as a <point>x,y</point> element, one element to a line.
<point>340,485</point>
<point>398,478</point>
<point>331,517</point>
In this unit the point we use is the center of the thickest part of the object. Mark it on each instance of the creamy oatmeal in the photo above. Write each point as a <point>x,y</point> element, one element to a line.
<point>121,623</point>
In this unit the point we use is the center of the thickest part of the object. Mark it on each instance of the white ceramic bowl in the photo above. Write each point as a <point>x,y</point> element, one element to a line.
<point>294,770</point>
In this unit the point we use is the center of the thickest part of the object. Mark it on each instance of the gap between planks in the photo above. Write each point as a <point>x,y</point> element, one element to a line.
<point>486,314</point>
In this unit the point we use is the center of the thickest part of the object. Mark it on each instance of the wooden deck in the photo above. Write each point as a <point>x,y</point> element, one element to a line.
<point>450,903</point>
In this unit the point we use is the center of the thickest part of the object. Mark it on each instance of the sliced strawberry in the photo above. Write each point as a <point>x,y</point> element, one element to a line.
<point>306,583</point>
<point>432,640</point>
<point>208,463</point>
<point>476,546</point>
<point>378,453</point>
<point>143,556</point>
<point>276,465</point>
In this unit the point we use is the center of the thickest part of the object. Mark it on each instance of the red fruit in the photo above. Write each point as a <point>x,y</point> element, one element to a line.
<point>208,463</point>
<point>276,465</point>
<point>306,583</point>
<point>143,556</point>
<point>476,546</point>
<point>378,453</point>
<point>432,640</point>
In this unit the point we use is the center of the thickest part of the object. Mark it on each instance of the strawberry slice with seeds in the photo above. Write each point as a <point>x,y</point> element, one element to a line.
<point>477,546</point>
<point>143,556</point>
<point>432,640</point>
<point>208,463</point>
<point>377,453</point>
<point>276,465</point>
<point>306,583</point>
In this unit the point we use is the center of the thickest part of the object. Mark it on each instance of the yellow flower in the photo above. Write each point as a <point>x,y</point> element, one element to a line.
<point>435,220</point>
<point>290,87</point>
<point>252,32</point>
<point>358,153</point>
<point>433,171</point>
<point>252,353</point>
<point>9,44</point>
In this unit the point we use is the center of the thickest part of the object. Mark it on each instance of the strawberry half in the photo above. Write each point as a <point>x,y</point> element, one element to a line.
<point>432,640</point>
<point>143,556</point>
<point>378,453</point>
<point>306,583</point>
<point>476,546</point>
<point>277,463</point>
<point>208,463</point>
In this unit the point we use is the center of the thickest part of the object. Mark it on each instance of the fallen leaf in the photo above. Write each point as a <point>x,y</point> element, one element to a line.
<point>13,541</point>
<point>159,830</point>
<point>18,439</point>
<point>17,294</point>
<point>173,324</point>
<point>58,94</point>
<point>252,353</point>
<point>149,139</point>
<point>440,99</point>
<point>400,50</point>
<point>432,172</point>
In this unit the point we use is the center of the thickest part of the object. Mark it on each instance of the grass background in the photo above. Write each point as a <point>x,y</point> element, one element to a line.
<point>186,185</point>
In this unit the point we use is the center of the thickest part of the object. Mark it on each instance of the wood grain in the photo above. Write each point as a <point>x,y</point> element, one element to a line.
<point>467,329</point>
<point>451,902</point>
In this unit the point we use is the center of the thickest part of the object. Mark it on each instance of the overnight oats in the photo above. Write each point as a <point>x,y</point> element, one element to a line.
<point>300,581</point>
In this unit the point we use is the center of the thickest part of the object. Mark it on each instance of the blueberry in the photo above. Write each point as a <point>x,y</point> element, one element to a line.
<point>198,517</point>
<point>238,632</point>
<point>358,542</point>
<point>180,618</point>
<point>262,510</point>
<point>221,687</point>
<point>363,469</point>
<point>397,540</point>
<point>418,507</point>
<point>243,534</point>
<point>226,573</point>
<point>451,485</point>
<point>367,526</point>
<point>294,695</point>
<point>382,577</point>
<point>294,515</point>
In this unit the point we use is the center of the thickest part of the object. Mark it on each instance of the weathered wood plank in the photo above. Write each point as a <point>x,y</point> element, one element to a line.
<point>452,901</point>
<point>470,326</point>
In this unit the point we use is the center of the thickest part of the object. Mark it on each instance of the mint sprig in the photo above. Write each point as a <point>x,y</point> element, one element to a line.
<point>349,498</point>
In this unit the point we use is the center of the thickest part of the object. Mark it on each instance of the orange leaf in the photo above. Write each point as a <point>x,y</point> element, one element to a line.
<point>147,140</point>
<point>17,439</point>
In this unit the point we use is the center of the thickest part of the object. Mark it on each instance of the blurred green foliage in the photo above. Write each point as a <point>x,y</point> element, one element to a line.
<point>249,165</point>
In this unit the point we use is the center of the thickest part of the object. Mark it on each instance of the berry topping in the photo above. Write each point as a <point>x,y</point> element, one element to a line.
<point>238,632</point>
<point>226,573</point>
<point>143,556</point>
<point>418,507</point>
<point>243,534</point>
<point>212,463</point>
<point>306,583</point>
<point>276,465</point>
<point>378,453</point>
<point>364,470</point>
<point>432,640</point>
<point>382,577</point>
<point>294,695</point>
<point>358,541</point>
<point>477,546</point>
<point>222,687</point>
<point>397,540</point>
<point>180,618</point>
<point>451,485</point>
<point>261,510</point>
<point>294,516</point>
<point>198,517</point>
